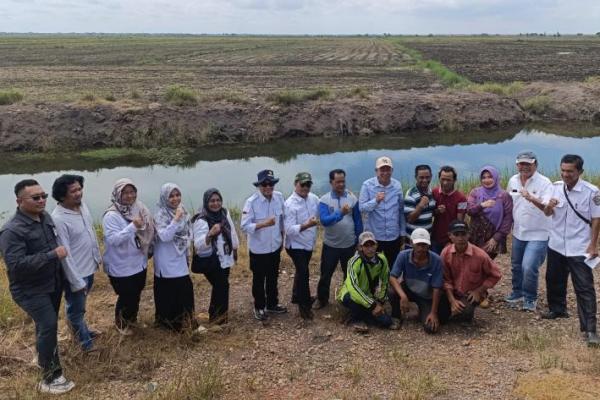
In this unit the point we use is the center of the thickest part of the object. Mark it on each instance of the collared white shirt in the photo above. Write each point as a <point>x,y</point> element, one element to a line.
<point>75,231</point>
<point>121,255</point>
<point>298,210</point>
<point>168,262</point>
<point>570,235</point>
<point>386,218</point>
<point>258,209</point>
<point>529,222</point>
<point>200,229</point>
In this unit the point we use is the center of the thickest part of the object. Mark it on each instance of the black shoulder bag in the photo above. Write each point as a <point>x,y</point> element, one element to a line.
<point>587,221</point>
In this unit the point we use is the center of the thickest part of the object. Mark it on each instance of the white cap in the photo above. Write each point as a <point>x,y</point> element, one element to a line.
<point>383,161</point>
<point>420,235</point>
<point>365,237</point>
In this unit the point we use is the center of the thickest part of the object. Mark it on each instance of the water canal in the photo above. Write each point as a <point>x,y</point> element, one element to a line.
<point>232,169</point>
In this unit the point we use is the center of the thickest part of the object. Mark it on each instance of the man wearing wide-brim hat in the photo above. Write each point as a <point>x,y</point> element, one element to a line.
<point>262,221</point>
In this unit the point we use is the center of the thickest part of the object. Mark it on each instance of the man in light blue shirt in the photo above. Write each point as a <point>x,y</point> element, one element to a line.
<point>382,202</point>
<point>75,230</point>
<point>342,222</point>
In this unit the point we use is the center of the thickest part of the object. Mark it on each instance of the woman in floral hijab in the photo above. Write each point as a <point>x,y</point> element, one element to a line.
<point>173,289</point>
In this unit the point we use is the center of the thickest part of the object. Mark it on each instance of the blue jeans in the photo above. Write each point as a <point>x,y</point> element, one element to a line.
<point>43,309</point>
<point>75,310</point>
<point>526,259</point>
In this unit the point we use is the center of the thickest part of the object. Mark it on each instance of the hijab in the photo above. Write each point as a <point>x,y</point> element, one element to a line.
<point>165,215</point>
<point>145,235</point>
<point>494,214</point>
<point>216,217</point>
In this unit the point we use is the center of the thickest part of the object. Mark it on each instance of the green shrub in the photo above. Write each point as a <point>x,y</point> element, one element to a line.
<point>289,97</point>
<point>537,104</point>
<point>10,96</point>
<point>180,95</point>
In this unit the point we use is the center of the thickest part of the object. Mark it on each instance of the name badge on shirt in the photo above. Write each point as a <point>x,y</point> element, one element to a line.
<point>462,205</point>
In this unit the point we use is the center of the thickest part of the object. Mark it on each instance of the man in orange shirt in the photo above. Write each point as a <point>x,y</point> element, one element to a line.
<point>468,273</point>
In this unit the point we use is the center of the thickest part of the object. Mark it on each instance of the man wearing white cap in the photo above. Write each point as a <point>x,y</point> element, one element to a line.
<point>382,202</point>
<point>530,191</point>
<point>417,276</point>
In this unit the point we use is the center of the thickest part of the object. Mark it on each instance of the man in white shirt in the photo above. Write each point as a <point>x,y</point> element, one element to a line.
<point>262,221</point>
<point>531,192</point>
<point>575,211</point>
<point>75,231</point>
<point>301,210</point>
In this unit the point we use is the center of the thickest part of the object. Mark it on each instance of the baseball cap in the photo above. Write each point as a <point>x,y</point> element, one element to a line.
<point>383,161</point>
<point>365,237</point>
<point>526,157</point>
<point>420,235</point>
<point>303,177</point>
<point>458,226</point>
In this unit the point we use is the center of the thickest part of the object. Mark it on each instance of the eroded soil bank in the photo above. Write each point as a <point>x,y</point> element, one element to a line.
<point>52,126</point>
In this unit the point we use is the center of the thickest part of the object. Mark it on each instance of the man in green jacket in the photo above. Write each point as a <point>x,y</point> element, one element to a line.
<point>365,288</point>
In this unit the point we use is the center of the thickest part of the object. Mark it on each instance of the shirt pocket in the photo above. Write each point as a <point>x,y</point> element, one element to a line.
<point>36,242</point>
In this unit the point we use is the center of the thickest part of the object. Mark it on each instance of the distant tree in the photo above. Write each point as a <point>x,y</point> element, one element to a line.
<point>597,33</point>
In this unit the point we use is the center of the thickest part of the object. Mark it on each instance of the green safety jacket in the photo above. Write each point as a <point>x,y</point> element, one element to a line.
<point>357,281</point>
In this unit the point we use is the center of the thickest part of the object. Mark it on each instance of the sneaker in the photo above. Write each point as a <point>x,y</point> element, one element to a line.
<point>320,304</point>
<point>592,339</point>
<point>529,305</point>
<point>555,314</point>
<point>200,330</point>
<point>360,327</point>
<point>59,385</point>
<point>277,309</point>
<point>513,298</point>
<point>260,314</point>
<point>396,324</point>
<point>126,331</point>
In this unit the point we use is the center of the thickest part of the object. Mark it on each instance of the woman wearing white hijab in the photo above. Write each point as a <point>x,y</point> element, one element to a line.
<point>128,239</point>
<point>173,289</point>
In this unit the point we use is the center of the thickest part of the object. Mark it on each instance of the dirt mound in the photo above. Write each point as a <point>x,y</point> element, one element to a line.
<point>44,126</point>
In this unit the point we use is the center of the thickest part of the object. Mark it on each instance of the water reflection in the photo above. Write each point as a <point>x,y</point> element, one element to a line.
<point>233,168</point>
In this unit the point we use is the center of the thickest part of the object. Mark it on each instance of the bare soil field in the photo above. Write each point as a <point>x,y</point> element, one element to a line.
<point>514,58</point>
<point>66,68</point>
<point>504,354</point>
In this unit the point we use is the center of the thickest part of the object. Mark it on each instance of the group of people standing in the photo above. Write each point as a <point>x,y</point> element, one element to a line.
<point>446,268</point>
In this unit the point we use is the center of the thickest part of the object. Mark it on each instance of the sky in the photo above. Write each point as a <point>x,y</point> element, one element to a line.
<point>301,16</point>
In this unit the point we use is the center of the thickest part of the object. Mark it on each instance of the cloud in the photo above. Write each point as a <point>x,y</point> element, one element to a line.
<point>302,16</point>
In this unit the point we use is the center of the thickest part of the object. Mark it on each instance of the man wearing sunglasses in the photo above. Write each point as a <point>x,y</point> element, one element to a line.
<point>301,210</point>
<point>262,221</point>
<point>28,243</point>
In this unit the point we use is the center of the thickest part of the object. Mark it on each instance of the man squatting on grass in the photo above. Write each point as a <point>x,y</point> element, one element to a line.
<point>32,254</point>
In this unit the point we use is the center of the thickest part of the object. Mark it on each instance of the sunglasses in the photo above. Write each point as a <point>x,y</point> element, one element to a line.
<point>38,197</point>
<point>306,184</point>
<point>267,184</point>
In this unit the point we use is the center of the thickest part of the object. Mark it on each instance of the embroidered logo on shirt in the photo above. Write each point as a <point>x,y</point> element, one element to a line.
<point>596,199</point>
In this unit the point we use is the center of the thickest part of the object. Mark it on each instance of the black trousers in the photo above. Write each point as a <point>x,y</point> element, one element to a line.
<point>301,289</point>
<point>174,302</point>
<point>265,272</point>
<point>43,309</point>
<point>582,277</point>
<point>390,248</point>
<point>219,296</point>
<point>330,256</point>
<point>129,290</point>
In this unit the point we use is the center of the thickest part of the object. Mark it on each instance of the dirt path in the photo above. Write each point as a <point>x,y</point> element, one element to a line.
<point>503,353</point>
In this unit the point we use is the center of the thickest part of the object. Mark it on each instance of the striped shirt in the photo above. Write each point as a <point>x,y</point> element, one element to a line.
<point>425,219</point>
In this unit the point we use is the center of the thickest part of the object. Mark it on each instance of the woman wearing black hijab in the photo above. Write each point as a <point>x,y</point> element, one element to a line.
<point>215,247</point>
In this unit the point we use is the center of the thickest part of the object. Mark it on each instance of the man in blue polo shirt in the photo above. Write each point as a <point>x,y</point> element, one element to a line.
<point>417,276</point>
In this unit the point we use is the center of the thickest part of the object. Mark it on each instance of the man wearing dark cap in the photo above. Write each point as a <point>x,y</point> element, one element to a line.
<point>468,273</point>
<point>530,192</point>
<point>301,220</point>
<point>262,221</point>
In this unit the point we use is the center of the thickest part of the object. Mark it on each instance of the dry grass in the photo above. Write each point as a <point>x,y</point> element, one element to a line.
<point>557,385</point>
